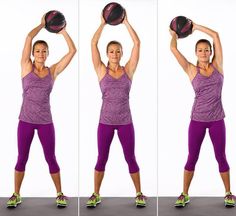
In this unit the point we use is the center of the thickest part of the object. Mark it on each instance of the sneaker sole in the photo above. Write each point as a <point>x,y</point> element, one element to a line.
<point>61,206</point>
<point>140,205</point>
<point>229,205</point>
<point>93,206</point>
<point>14,206</point>
<point>181,206</point>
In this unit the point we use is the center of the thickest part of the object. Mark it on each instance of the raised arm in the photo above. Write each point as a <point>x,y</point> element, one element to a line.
<point>134,57</point>
<point>184,63</point>
<point>65,60</point>
<point>26,63</point>
<point>217,59</point>
<point>99,66</point>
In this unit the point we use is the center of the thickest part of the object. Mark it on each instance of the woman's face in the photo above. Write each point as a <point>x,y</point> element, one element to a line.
<point>203,52</point>
<point>114,53</point>
<point>40,53</point>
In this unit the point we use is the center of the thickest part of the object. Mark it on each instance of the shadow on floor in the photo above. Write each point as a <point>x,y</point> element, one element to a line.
<point>119,206</point>
<point>39,207</point>
<point>198,206</point>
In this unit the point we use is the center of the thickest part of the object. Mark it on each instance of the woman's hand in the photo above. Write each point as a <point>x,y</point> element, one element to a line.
<point>194,26</point>
<point>125,21</point>
<point>173,34</point>
<point>103,22</point>
<point>62,31</point>
<point>43,22</point>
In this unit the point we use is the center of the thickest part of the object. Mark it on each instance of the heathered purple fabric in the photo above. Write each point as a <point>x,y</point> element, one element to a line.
<point>35,108</point>
<point>115,94</point>
<point>25,135</point>
<point>207,104</point>
<point>196,134</point>
<point>127,139</point>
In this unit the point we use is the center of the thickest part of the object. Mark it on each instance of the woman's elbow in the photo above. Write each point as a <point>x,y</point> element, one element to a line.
<point>216,35</point>
<point>172,48</point>
<point>94,42</point>
<point>74,50</point>
<point>137,42</point>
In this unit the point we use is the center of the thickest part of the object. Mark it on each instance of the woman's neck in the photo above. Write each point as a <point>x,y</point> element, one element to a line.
<point>39,66</point>
<point>204,65</point>
<point>113,67</point>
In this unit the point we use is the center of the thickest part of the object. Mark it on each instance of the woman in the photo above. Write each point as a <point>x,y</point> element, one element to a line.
<point>37,81</point>
<point>115,82</point>
<point>207,112</point>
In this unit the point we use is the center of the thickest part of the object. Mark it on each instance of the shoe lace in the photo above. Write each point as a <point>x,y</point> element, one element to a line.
<point>181,197</point>
<point>93,197</point>
<point>141,197</point>
<point>62,197</point>
<point>230,197</point>
<point>13,197</point>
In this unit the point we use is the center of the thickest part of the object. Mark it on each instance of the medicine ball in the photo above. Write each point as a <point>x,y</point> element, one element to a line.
<point>182,26</point>
<point>55,21</point>
<point>113,13</point>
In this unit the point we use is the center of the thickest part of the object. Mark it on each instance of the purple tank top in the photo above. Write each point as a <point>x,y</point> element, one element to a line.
<point>207,105</point>
<point>36,96</point>
<point>115,94</point>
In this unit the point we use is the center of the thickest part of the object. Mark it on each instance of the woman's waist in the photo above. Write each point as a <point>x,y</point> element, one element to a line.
<point>116,106</point>
<point>207,103</point>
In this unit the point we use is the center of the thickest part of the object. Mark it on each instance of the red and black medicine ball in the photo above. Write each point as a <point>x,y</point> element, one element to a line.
<point>182,26</point>
<point>113,13</point>
<point>55,21</point>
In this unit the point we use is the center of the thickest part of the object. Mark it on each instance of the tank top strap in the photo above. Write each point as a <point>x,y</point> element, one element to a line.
<point>33,67</point>
<point>198,69</point>
<point>123,69</point>
<point>107,69</point>
<point>124,72</point>
<point>49,73</point>
<point>214,67</point>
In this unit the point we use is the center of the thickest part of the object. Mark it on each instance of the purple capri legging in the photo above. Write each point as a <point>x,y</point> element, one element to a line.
<point>126,137</point>
<point>196,134</point>
<point>46,135</point>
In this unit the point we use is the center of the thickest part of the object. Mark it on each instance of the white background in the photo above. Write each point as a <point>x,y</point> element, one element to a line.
<point>175,97</point>
<point>142,15</point>
<point>18,18</point>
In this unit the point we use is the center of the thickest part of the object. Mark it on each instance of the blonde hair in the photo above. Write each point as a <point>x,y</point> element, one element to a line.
<point>203,41</point>
<point>113,42</point>
<point>39,42</point>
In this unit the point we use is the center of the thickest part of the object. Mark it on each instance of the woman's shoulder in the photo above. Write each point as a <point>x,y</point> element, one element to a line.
<point>123,68</point>
<point>217,67</point>
<point>102,72</point>
<point>192,71</point>
<point>26,69</point>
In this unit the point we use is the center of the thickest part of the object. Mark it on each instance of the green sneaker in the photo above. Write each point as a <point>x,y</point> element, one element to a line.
<point>61,200</point>
<point>140,200</point>
<point>94,200</point>
<point>13,201</point>
<point>182,200</point>
<point>229,199</point>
